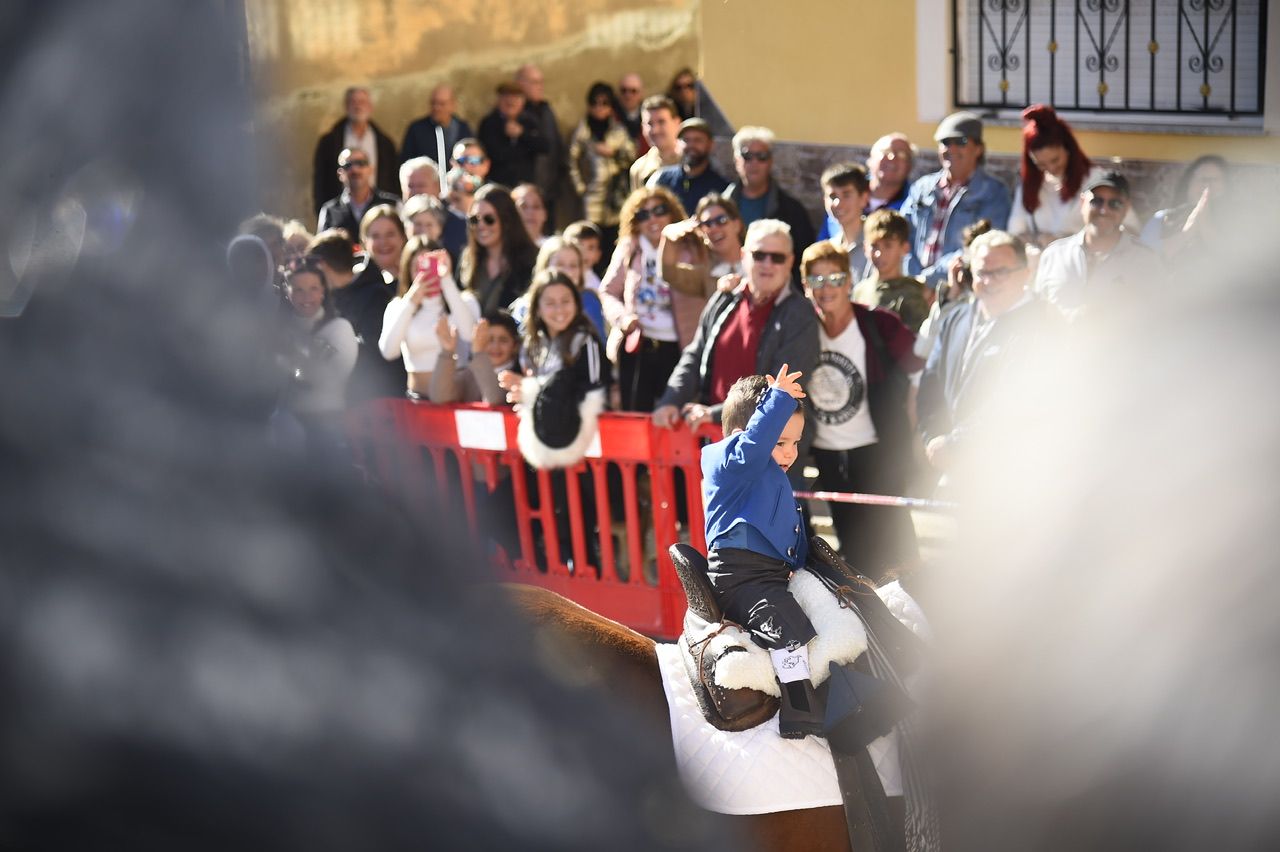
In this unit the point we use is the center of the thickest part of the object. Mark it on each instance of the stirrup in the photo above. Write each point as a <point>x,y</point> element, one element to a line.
<point>802,712</point>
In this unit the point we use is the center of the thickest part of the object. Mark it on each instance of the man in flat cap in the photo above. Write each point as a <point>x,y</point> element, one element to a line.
<point>512,137</point>
<point>942,204</point>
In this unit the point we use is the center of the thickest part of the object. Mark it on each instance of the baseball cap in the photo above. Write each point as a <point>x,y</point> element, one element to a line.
<point>1113,179</point>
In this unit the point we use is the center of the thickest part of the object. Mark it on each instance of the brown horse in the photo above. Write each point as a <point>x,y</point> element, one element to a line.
<point>627,663</point>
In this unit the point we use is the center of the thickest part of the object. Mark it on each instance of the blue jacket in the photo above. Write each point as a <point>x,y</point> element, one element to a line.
<point>689,190</point>
<point>984,197</point>
<point>420,140</point>
<point>742,484</point>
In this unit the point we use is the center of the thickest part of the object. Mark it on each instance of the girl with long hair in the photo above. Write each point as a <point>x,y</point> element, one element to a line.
<point>498,260</point>
<point>560,399</point>
<point>425,291</point>
<point>1046,203</point>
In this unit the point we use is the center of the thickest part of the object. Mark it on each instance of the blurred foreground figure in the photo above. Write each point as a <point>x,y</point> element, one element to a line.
<point>205,643</point>
<point>1111,622</point>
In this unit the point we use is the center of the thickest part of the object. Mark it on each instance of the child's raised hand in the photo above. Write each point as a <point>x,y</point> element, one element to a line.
<point>787,382</point>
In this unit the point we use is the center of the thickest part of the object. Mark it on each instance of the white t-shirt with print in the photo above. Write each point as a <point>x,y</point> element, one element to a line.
<point>653,297</point>
<point>838,391</point>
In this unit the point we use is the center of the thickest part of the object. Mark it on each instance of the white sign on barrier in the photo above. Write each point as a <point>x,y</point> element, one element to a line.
<point>593,449</point>
<point>480,430</point>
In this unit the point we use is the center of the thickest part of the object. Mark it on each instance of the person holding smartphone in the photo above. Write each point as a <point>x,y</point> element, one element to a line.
<point>426,286</point>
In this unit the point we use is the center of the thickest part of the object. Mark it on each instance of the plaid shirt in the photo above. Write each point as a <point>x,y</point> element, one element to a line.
<point>938,220</point>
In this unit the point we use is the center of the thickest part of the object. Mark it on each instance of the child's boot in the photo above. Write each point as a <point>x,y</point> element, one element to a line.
<point>801,713</point>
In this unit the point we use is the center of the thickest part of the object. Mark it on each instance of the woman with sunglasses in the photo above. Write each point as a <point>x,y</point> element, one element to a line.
<point>651,320</point>
<point>684,92</point>
<point>704,250</point>
<point>498,261</point>
<point>600,155</point>
<point>863,440</point>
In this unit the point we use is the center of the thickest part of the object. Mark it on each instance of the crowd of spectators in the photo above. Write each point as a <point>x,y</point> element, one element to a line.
<point>900,311</point>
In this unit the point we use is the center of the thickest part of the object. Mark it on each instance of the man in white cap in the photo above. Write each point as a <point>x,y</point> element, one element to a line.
<point>942,204</point>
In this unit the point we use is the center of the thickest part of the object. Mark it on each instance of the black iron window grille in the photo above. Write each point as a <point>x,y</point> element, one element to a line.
<point>1173,57</point>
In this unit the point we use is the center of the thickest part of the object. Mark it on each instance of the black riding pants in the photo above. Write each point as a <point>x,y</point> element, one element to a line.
<point>751,589</point>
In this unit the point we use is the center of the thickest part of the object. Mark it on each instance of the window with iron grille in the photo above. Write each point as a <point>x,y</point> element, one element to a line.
<point>1199,61</point>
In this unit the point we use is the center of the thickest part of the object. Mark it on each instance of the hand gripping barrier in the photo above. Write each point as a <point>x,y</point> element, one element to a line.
<point>467,454</point>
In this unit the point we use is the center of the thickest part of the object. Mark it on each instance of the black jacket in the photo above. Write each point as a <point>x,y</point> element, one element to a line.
<point>325,183</point>
<point>337,214</point>
<point>512,159</point>
<point>363,303</point>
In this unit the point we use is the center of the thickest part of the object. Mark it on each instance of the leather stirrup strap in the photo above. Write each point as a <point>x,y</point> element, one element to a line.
<point>866,809</point>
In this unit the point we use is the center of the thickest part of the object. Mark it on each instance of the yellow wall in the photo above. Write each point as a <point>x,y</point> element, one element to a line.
<point>304,53</point>
<point>844,72</point>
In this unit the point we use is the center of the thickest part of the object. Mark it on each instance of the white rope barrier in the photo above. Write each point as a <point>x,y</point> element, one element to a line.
<point>878,500</point>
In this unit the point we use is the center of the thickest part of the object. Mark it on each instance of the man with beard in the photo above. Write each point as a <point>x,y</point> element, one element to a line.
<point>942,204</point>
<point>693,176</point>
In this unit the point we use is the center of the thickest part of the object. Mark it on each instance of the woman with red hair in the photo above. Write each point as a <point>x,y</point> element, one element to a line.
<point>1046,205</point>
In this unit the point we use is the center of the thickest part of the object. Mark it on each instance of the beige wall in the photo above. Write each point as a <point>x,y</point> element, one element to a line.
<point>844,72</point>
<point>304,53</point>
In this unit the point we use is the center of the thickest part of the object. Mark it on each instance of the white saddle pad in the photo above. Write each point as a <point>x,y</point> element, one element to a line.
<point>756,771</point>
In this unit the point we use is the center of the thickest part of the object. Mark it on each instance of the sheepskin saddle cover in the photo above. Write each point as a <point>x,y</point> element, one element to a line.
<point>721,658</point>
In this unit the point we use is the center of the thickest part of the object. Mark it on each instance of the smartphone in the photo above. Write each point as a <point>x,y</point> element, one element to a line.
<point>429,264</point>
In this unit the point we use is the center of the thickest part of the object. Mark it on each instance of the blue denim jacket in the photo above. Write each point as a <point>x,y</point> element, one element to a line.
<point>984,197</point>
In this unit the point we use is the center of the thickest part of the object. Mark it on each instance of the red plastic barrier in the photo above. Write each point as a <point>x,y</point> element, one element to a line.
<point>467,450</point>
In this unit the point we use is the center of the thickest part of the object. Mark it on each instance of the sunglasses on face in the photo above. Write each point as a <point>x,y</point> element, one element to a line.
<point>835,279</point>
<point>719,221</point>
<point>956,142</point>
<point>470,160</point>
<point>775,257</point>
<point>1113,203</point>
<point>488,219</point>
<point>760,156</point>
<point>353,164</point>
<point>644,214</point>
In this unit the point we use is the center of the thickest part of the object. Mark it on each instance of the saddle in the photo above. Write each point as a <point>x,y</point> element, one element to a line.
<point>866,707</point>
<point>724,708</point>
<point>721,679</point>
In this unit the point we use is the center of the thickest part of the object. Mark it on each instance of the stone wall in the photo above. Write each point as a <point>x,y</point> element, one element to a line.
<point>305,53</point>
